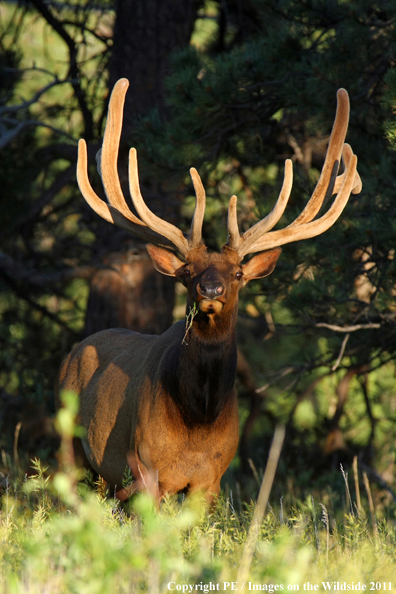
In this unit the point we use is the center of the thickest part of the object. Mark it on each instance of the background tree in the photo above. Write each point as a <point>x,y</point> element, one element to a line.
<point>260,87</point>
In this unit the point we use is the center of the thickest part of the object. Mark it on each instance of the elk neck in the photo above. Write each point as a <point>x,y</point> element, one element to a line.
<point>199,374</point>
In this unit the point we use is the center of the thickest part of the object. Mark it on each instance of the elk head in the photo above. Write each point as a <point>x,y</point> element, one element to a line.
<point>213,280</point>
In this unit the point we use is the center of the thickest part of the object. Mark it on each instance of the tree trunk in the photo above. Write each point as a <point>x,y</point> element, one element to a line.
<point>127,292</point>
<point>146,32</point>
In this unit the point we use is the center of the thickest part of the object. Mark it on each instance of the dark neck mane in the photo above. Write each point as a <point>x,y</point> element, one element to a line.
<point>199,376</point>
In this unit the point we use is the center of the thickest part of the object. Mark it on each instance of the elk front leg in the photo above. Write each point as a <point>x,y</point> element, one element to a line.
<point>145,480</point>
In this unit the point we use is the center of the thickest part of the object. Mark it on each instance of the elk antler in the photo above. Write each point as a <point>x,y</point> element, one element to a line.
<point>153,229</point>
<point>149,227</point>
<point>260,237</point>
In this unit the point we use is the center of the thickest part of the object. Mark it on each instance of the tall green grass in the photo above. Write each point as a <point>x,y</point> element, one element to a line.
<point>57,536</point>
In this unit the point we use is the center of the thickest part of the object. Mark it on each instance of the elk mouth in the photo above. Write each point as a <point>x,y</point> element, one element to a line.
<point>210,306</point>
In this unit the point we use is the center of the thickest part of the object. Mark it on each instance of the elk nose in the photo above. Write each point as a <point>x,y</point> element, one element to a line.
<point>211,289</point>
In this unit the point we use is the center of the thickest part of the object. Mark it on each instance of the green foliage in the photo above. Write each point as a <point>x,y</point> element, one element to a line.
<point>97,547</point>
<point>390,101</point>
<point>41,119</point>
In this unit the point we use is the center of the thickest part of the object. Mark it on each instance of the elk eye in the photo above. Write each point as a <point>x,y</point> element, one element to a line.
<point>239,275</point>
<point>187,272</point>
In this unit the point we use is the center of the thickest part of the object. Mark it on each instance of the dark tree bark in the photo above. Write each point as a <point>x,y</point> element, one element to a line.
<point>146,33</point>
<point>127,292</point>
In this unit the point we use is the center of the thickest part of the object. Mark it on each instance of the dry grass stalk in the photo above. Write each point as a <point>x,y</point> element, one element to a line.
<point>348,494</point>
<point>261,504</point>
<point>371,504</point>
<point>357,489</point>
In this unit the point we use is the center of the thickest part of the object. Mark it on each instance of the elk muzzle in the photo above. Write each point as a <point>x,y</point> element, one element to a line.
<point>210,294</point>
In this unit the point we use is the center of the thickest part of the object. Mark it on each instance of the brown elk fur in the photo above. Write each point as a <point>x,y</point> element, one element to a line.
<point>168,399</point>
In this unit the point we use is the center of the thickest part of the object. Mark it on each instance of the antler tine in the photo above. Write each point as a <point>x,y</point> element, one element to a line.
<point>100,207</point>
<point>107,211</point>
<point>316,227</point>
<point>234,237</point>
<point>108,155</point>
<point>244,242</point>
<point>195,235</point>
<point>155,223</point>
<point>346,157</point>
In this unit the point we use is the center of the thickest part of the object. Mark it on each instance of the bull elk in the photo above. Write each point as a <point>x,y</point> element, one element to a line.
<point>168,402</point>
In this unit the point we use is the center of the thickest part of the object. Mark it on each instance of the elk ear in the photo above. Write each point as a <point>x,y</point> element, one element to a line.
<point>261,265</point>
<point>163,260</point>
